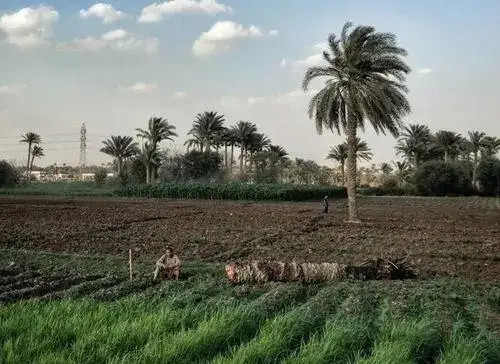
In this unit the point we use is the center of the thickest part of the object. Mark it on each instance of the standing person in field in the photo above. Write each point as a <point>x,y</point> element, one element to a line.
<point>325,204</point>
<point>168,266</point>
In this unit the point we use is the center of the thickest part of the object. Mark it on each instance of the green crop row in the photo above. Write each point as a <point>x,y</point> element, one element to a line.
<point>232,191</point>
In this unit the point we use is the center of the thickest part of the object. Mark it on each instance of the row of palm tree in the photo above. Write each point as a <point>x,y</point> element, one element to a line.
<point>33,140</point>
<point>417,144</point>
<point>208,133</point>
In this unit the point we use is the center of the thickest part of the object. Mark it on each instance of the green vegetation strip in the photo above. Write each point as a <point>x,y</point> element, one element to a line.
<point>232,191</point>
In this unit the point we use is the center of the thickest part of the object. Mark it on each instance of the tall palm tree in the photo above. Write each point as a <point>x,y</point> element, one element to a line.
<point>120,148</point>
<point>232,139</point>
<point>448,143</point>
<point>151,158</point>
<point>475,140</point>
<point>279,156</point>
<point>339,154</point>
<point>207,127</point>
<point>402,171</point>
<point>490,146</point>
<point>37,152</point>
<point>258,142</point>
<point>31,139</point>
<point>365,75</point>
<point>158,130</point>
<point>414,143</point>
<point>244,132</point>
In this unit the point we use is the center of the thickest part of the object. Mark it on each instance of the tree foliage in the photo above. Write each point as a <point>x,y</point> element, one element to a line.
<point>439,178</point>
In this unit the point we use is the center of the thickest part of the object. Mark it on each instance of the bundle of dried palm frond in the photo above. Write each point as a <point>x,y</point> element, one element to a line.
<point>264,271</point>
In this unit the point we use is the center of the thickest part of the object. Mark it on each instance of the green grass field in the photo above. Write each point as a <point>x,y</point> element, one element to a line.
<point>60,189</point>
<point>103,317</point>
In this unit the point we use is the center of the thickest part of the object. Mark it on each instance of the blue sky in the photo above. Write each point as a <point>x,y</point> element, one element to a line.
<point>61,68</point>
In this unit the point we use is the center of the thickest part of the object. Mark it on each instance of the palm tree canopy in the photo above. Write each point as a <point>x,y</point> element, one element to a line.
<point>385,168</point>
<point>244,131</point>
<point>158,129</point>
<point>258,142</point>
<point>338,153</point>
<point>208,127</point>
<point>121,147</point>
<point>490,146</point>
<point>447,141</point>
<point>31,138</point>
<point>475,139</point>
<point>364,81</point>
<point>362,150</point>
<point>277,150</point>
<point>414,142</point>
<point>37,152</point>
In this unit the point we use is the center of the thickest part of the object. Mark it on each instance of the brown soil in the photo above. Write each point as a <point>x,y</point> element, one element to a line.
<point>443,236</point>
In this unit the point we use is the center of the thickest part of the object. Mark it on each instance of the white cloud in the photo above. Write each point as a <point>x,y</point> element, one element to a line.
<point>221,35</point>
<point>309,61</point>
<point>284,63</point>
<point>12,89</point>
<point>252,100</point>
<point>273,32</point>
<point>29,27</point>
<point>106,12</point>
<point>314,59</point>
<point>141,87</point>
<point>117,39</point>
<point>424,71</point>
<point>180,95</point>
<point>154,13</point>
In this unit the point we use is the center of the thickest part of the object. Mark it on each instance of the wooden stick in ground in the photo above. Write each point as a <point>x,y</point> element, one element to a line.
<point>130,262</point>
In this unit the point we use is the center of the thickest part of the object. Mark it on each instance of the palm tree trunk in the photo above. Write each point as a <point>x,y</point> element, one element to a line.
<point>446,156</point>
<point>241,160</point>
<point>225,155</point>
<point>28,164</point>
<point>342,172</point>
<point>351,171</point>
<point>474,172</point>
<point>232,157</point>
<point>147,174</point>
<point>120,162</point>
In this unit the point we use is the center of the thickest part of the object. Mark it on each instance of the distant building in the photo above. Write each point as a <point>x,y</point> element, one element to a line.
<point>87,176</point>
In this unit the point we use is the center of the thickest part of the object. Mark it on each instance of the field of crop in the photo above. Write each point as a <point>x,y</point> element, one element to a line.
<point>65,296</point>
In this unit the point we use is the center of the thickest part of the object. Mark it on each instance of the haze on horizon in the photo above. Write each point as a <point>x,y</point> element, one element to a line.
<point>113,65</point>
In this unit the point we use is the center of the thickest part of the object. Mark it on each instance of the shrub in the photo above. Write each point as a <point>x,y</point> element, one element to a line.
<point>438,178</point>
<point>232,191</point>
<point>383,191</point>
<point>100,176</point>
<point>488,175</point>
<point>390,182</point>
<point>8,175</point>
<point>136,171</point>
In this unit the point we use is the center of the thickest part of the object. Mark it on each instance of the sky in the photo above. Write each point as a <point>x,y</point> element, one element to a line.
<point>113,65</point>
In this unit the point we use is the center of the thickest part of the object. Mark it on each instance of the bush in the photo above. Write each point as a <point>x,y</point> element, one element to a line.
<point>8,175</point>
<point>438,178</point>
<point>488,175</point>
<point>232,191</point>
<point>100,176</point>
<point>390,182</point>
<point>136,171</point>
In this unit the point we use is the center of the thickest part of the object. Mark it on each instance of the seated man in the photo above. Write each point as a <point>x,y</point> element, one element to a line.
<point>168,266</point>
